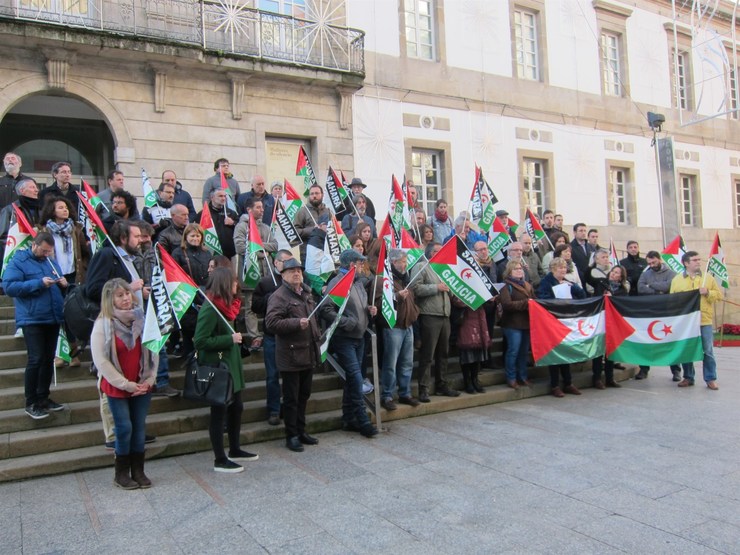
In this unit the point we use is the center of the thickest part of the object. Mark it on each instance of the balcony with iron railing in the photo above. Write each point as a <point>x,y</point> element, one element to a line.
<point>226,27</point>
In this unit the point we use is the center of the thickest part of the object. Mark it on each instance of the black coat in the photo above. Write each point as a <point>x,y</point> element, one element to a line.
<point>104,266</point>
<point>225,232</point>
<point>195,263</point>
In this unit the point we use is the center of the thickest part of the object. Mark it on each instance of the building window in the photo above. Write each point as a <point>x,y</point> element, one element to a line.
<point>419,22</point>
<point>525,35</point>
<point>619,195</point>
<point>534,184</point>
<point>682,81</point>
<point>734,103</point>
<point>427,174</point>
<point>688,200</point>
<point>295,8</point>
<point>610,64</point>
<point>737,202</point>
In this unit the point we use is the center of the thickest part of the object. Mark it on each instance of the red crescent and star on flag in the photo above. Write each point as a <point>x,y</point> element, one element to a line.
<point>651,330</point>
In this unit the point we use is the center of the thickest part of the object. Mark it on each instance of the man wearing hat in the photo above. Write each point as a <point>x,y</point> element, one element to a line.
<point>297,339</point>
<point>348,344</point>
<point>307,218</point>
<point>358,188</point>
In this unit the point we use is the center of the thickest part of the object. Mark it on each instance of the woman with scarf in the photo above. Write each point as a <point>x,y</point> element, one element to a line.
<point>215,341</point>
<point>565,252</point>
<point>557,238</point>
<point>126,374</point>
<point>597,276</point>
<point>441,222</point>
<point>514,299</point>
<point>614,285</point>
<point>71,252</point>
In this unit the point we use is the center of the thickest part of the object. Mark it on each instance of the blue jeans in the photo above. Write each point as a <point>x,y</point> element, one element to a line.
<point>709,365</point>
<point>517,352</point>
<point>350,353</point>
<point>41,345</point>
<point>398,361</point>
<point>272,376</point>
<point>163,370</point>
<point>129,416</point>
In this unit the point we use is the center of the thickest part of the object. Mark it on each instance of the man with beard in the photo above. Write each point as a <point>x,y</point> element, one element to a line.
<point>224,220</point>
<point>123,207</point>
<point>307,217</point>
<point>358,188</point>
<point>28,203</point>
<point>213,183</point>
<point>12,177</point>
<point>159,215</point>
<point>350,221</point>
<point>62,185</point>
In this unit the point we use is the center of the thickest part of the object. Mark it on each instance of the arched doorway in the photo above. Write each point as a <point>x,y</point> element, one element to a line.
<point>45,129</point>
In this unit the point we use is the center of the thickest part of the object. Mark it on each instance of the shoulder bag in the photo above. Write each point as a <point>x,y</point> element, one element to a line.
<point>207,384</point>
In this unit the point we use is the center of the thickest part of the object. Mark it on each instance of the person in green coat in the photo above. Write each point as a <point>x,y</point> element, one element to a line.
<point>214,341</point>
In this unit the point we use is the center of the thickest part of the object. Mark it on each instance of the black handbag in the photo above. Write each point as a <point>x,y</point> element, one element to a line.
<point>211,385</point>
<point>80,312</point>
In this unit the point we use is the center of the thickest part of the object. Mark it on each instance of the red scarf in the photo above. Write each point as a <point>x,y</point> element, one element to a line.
<point>230,312</point>
<point>441,217</point>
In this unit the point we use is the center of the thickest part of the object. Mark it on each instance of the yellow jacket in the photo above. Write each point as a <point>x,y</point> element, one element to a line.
<point>682,282</point>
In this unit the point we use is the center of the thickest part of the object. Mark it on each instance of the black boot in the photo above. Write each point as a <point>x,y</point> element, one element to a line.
<point>467,384</point>
<point>137,471</point>
<point>123,468</point>
<point>474,379</point>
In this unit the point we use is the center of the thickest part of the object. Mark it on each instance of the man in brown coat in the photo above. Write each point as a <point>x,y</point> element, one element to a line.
<point>297,349</point>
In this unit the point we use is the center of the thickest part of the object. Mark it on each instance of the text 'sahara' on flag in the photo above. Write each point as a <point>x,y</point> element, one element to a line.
<point>565,331</point>
<point>456,266</point>
<point>160,318</point>
<point>717,266</point>
<point>656,330</point>
<point>482,200</point>
<point>533,227</point>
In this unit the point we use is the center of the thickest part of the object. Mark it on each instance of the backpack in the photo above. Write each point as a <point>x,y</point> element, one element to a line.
<point>80,313</point>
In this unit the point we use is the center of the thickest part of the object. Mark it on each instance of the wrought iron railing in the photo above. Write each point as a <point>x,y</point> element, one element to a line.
<point>224,26</point>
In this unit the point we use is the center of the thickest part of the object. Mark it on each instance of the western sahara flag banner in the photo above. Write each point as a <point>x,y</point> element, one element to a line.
<point>181,288</point>
<point>211,236</point>
<point>717,266</point>
<point>160,316</point>
<point>657,330</point>
<point>456,266</point>
<point>304,169</point>
<point>335,191</point>
<point>565,331</point>
<point>672,254</point>
<point>284,223</point>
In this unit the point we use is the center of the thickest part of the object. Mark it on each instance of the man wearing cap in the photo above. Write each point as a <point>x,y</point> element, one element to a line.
<point>308,216</point>
<point>348,343</point>
<point>358,188</point>
<point>297,338</point>
<point>503,217</point>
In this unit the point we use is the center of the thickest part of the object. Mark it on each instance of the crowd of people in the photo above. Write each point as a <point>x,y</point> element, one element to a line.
<point>280,316</point>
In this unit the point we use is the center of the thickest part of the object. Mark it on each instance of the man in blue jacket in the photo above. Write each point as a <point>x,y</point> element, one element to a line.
<point>35,282</point>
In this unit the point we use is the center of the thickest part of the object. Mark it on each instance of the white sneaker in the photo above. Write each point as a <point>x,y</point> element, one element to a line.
<point>19,333</point>
<point>367,387</point>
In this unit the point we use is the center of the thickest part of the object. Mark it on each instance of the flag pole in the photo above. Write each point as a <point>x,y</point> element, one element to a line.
<point>722,324</point>
<point>317,306</point>
<point>272,274</point>
<point>706,270</point>
<point>418,274</point>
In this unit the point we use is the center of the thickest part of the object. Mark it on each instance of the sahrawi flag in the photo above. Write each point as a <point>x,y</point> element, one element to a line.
<point>92,196</point>
<point>613,258</point>
<point>672,254</point>
<point>335,191</point>
<point>717,266</point>
<point>230,204</point>
<point>342,240</point>
<point>482,200</point>
<point>456,266</point>
<point>513,226</point>
<point>413,251</point>
<point>305,169</point>
<point>499,238</point>
<point>19,237</point>
<point>566,331</point>
<point>150,197</point>
<point>657,330</point>
<point>181,288</point>
<point>291,200</point>
<point>99,235</point>
<point>338,295</point>
<point>283,222</point>
<point>387,306</point>
<point>319,263</point>
<point>533,227</point>
<point>211,237</point>
<point>251,272</point>
<point>64,351</point>
<point>85,222</point>
<point>160,317</point>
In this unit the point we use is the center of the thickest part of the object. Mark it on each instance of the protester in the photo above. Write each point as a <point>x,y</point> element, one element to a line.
<point>398,341</point>
<point>426,235</point>
<point>597,276</point>
<point>533,268</point>
<point>564,252</point>
<point>441,222</point>
<point>350,221</point>
<point>615,285</point>
<point>656,280</point>
<point>12,164</point>
<point>358,187</point>
<point>181,195</point>
<point>514,299</point>
<point>123,207</point>
<point>215,340</point>
<point>582,250</point>
<point>259,193</point>
<point>556,276</point>
<point>126,374</point>
<point>692,279</point>
<point>213,183</point>
<point>557,239</point>
<point>36,284</point>
<point>348,343</point>
<point>473,342</point>
<point>297,346</point>
<point>306,219</point>
<point>171,236</point>
<point>28,204</point>
<point>62,185</point>
<point>634,264</point>
<point>265,288</point>
<point>224,219</point>
<point>433,300</point>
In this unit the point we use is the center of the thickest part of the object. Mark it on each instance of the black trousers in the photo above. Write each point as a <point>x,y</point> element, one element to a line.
<point>296,392</point>
<point>564,371</point>
<point>232,416</point>
<point>41,344</point>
